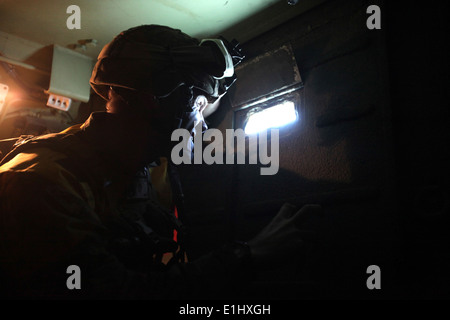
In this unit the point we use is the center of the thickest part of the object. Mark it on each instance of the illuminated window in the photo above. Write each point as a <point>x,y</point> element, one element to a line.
<point>272,117</point>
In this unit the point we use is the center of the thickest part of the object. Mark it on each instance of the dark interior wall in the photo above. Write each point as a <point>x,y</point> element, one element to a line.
<point>363,148</point>
<point>341,139</point>
<point>418,64</point>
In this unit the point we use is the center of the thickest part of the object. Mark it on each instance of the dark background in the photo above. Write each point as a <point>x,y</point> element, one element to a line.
<point>371,147</point>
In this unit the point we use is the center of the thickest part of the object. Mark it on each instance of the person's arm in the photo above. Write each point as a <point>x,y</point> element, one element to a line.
<point>45,229</point>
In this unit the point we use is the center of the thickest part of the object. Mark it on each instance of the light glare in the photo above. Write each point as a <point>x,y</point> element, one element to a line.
<point>273,117</point>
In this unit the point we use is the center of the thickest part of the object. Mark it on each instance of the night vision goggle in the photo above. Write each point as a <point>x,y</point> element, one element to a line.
<point>217,63</point>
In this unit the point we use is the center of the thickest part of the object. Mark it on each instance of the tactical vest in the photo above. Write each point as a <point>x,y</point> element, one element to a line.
<point>141,228</point>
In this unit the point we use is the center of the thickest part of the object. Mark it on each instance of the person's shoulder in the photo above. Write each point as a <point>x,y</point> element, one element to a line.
<point>40,160</point>
<point>34,169</point>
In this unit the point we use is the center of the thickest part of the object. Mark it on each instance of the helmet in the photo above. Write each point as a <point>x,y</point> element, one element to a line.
<point>159,59</point>
<point>164,64</point>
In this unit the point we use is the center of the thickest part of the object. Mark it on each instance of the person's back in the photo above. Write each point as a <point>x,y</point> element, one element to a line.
<point>49,191</point>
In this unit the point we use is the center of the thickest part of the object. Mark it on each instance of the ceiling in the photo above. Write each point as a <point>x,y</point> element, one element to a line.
<point>44,21</point>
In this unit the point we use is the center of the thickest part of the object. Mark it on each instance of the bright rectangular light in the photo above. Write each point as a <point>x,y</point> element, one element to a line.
<point>273,117</point>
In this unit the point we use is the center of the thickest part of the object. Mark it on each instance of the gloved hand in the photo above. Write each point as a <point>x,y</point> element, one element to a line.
<point>283,236</point>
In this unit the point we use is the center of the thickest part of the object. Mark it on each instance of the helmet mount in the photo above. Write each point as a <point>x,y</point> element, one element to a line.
<point>159,59</point>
